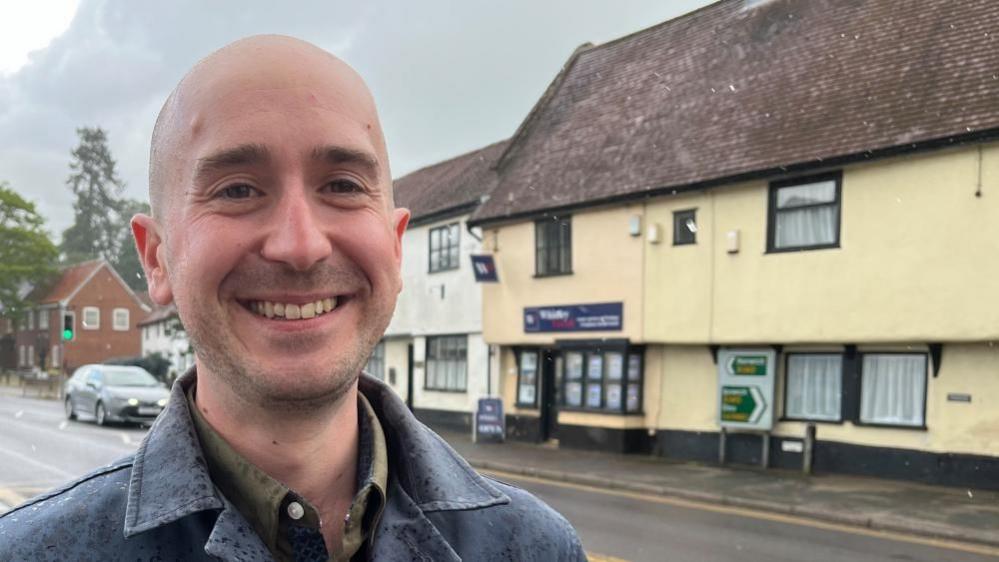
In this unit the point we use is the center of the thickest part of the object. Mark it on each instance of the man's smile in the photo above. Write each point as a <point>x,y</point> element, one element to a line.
<point>292,310</point>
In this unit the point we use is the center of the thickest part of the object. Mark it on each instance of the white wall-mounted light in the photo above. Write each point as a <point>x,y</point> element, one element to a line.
<point>732,241</point>
<point>635,225</point>
<point>654,234</point>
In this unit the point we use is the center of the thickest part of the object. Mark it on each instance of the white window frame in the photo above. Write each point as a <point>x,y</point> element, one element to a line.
<point>43,319</point>
<point>877,406</point>
<point>22,360</point>
<point>376,362</point>
<point>31,319</point>
<point>120,326</point>
<point>813,396</point>
<point>31,356</point>
<point>54,360</point>
<point>97,324</point>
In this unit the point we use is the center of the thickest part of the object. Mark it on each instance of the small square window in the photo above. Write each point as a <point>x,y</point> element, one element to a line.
<point>91,318</point>
<point>685,227</point>
<point>120,319</point>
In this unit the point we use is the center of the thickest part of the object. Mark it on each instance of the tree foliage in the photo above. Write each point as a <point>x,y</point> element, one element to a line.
<point>27,255</point>
<point>101,218</point>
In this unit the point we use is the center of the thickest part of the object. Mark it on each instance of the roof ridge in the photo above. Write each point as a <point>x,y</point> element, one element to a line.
<point>452,158</point>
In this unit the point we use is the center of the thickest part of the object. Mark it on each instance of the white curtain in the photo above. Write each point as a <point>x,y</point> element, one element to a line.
<point>814,385</point>
<point>811,226</point>
<point>894,389</point>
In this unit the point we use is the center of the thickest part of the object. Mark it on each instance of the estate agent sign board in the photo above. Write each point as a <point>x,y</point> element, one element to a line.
<point>746,388</point>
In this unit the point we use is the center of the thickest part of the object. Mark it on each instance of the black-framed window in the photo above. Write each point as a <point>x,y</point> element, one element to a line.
<point>376,362</point>
<point>447,363</point>
<point>893,389</point>
<point>528,375</point>
<point>685,227</point>
<point>805,213</point>
<point>813,386</point>
<point>553,246</point>
<point>444,247</point>
<point>602,380</point>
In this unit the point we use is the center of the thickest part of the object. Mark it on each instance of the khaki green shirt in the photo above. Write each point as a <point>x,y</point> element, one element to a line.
<point>268,504</point>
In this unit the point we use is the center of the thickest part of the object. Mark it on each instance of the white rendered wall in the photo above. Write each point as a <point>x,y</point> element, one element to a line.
<point>175,348</point>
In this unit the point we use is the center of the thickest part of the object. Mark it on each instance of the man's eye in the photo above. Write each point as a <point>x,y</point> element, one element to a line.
<point>237,191</point>
<point>343,186</point>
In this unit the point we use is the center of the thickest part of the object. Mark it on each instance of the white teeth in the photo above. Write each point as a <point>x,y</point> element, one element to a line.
<point>305,311</point>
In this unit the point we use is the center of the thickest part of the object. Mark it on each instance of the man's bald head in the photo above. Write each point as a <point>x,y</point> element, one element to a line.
<point>264,63</point>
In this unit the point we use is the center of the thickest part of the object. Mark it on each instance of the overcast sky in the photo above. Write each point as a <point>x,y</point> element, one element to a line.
<point>448,77</point>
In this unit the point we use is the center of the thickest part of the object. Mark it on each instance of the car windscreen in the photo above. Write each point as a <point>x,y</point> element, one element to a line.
<point>128,377</point>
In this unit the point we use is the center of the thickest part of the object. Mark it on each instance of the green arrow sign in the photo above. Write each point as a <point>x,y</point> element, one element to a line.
<point>742,404</point>
<point>753,365</point>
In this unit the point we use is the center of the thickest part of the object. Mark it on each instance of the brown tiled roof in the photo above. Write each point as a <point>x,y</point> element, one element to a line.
<point>160,313</point>
<point>454,183</point>
<point>729,92</point>
<point>65,284</point>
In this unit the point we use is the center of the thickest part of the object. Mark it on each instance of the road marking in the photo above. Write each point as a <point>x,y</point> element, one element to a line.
<point>35,462</point>
<point>754,514</point>
<point>594,557</point>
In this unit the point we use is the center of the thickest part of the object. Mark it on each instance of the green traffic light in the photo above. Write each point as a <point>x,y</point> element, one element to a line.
<point>67,334</point>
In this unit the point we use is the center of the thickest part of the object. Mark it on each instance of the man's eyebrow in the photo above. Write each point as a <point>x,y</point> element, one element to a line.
<point>338,155</point>
<point>242,155</point>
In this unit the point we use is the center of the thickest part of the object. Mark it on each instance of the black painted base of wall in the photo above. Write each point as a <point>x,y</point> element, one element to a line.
<point>445,419</point>
<point>832,457</point>
<point>636,441</point>
<point>523,428</point>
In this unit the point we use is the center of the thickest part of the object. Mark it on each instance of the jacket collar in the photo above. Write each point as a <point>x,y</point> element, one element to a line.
<point>170,478</point>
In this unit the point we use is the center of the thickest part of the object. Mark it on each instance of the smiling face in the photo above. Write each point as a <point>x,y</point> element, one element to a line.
<point>275,232</point>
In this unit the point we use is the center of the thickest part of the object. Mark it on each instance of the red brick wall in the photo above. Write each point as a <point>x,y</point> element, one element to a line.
<point>95,346</point>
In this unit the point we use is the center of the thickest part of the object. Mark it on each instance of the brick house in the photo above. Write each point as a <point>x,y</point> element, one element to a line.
<point>91,300</point>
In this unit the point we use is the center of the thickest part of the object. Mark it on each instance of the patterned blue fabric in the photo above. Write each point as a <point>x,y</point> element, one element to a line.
<point>307,544</point>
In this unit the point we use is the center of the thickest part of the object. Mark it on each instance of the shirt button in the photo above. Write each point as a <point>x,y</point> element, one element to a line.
<point>295,510</point>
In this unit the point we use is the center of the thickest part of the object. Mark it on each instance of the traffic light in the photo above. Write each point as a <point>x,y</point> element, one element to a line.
<point>68,326</point>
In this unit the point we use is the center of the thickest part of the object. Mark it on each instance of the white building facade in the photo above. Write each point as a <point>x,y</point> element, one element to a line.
<point>163,333</point>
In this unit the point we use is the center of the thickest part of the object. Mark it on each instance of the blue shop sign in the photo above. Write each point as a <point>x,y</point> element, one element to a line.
<point>484,268</point>
<point>489,421</point>
<point>598,317</point>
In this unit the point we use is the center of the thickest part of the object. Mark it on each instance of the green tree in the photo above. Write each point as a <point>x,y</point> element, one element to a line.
<point>97,210</point>
<point>27,255</point>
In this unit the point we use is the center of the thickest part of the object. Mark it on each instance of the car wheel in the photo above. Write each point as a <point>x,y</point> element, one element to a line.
<point>70,409</point>
<point>101,414</point>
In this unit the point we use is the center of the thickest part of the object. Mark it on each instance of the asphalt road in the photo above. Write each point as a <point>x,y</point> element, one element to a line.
<point>40,449</point>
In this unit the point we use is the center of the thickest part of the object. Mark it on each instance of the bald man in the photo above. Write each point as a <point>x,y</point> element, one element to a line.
<point>274,232</point>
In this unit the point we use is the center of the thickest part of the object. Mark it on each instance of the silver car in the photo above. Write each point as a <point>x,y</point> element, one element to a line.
<point>115,393</point>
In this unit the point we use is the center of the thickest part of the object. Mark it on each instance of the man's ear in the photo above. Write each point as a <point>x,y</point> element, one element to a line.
<point>151,253</point>
<point>400,220</point>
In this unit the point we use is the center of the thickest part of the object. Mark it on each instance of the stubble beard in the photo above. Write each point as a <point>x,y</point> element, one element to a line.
<point>324,386</point>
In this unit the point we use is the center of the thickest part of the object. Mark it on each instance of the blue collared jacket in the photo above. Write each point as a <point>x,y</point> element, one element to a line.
<point>160,504</point>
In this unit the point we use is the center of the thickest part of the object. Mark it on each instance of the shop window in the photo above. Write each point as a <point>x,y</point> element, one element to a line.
<point>446,365</point>
<point>444,248</point>
<point>685,227</point>
<point>893,389</point>
<point>527,379</point>
<point>376,363</point>
<point>608,381</point>
<point>553,246</point>
<point>120,319</point>
<point>804,214</point>
<point>813,386</point>
<point>91,318</point>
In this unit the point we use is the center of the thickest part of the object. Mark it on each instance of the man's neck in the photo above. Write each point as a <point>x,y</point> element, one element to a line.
<point>314,455</point>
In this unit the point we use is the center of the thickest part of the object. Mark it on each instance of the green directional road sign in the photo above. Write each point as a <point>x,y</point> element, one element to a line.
<point>746,388</point>
<point>742,404</point>
<point>754,365</point>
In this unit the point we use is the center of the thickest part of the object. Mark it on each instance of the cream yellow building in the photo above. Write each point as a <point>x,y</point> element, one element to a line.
<point>666,211</point>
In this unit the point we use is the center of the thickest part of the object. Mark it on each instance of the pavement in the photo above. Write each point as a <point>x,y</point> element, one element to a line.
<point>938,512</point>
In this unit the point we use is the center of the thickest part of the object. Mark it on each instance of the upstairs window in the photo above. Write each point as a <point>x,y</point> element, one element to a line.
<point>444,248</point>
<point>553,246</point>
<point>804,214</point>
<point>43,319</point>
<point>120,319</point>
<point>91,318</point>
<point>685,227</point>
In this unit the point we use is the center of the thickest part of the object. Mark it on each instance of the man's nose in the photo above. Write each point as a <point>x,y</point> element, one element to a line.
<point>296,235</point>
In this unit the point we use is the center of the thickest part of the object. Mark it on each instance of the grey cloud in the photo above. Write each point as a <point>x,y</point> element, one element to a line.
<point>448,76</point>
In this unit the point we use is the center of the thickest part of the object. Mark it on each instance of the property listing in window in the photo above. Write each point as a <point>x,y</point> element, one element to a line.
<point>527,384</point>
<point>573,379</point>
<point>608,381</point>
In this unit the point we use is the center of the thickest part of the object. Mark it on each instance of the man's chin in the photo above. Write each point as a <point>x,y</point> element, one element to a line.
<point>303,391</point>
